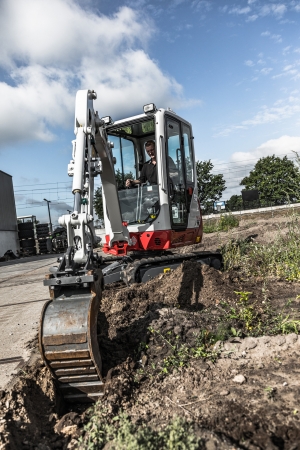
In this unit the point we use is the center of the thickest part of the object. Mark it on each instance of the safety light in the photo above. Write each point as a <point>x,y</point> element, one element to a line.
<point>150,108</point>
<point>107,120</point>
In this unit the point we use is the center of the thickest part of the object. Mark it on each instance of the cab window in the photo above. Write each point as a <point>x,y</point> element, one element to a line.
<point>188,153</point>
<point>124,153</point>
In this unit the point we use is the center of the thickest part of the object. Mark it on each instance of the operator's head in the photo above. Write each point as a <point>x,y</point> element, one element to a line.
<point>150,148</point>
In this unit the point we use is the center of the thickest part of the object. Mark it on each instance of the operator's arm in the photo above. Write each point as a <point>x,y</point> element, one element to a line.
<point>142,179</point>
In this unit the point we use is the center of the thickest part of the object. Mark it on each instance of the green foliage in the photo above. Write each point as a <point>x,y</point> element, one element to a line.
<point>225,223</point>
<point>181,354</point>
<point>246,311</point>
<point>98,203</point>
<point>278,259</point>
<point>210,186</point>
<point>235,203</point>
<point>275,178</point>
<point>98,200</point>
<point>287,325</point>
<point>121,179</point>
<point>122,434</point>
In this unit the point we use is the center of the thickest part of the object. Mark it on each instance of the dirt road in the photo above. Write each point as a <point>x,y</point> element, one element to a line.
<point>22,296</point>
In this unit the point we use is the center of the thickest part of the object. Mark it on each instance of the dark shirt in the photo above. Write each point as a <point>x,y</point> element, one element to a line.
<point>148,173</point>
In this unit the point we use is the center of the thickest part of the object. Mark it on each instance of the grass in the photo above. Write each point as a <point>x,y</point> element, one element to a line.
<point>279,259</point>
<point>180,354</point>
<point>225,223</point>
<point>122,434</point>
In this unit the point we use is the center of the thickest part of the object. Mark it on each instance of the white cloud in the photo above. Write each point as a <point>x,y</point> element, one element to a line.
<point>255,10</point>
<point>249,63</point>
<point>281,110</point>
<point>276,9</point>
<point>276,37</point>
<point>252,18</point>
<point>266,70</point>
<point>280,147</point>
<point>61,47</point>
<point>238,11</point>
<point>200,5</point>
<point>241,163</point>
<point>291,70</point>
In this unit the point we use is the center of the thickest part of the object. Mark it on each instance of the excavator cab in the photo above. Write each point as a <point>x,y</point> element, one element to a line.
<point>168,212</point>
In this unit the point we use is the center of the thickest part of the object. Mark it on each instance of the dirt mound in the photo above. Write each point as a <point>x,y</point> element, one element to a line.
<point>196,343</point>
<point>29,410</point>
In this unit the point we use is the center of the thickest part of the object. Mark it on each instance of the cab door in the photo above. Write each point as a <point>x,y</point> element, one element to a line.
<point>177,174</point>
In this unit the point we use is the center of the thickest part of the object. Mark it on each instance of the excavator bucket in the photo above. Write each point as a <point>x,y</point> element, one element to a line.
<point>68,341</point>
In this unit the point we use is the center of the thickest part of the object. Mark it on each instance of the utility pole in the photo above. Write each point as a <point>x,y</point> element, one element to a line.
<point>50,223</point>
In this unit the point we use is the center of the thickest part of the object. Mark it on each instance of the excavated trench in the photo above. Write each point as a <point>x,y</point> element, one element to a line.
<point>179,345</point>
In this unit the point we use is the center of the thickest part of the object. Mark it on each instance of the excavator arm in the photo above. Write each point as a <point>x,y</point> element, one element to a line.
<point>92,155</point>
<point>68,328</point>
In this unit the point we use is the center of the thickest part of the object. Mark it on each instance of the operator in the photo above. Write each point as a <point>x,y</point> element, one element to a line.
<point>148,172</point>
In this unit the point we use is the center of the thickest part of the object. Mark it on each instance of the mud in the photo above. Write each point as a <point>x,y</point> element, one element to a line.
<point>180,345</point>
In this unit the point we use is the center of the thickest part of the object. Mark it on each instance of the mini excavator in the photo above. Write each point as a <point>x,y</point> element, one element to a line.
<point>144,228</point>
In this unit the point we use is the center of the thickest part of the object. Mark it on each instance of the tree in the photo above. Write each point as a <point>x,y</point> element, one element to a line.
<point>235,203</point>
<point>98,201</point>
<point>210,186</point>
<point>276,179</point>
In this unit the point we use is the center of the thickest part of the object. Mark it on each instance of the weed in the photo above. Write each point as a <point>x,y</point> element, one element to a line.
<point>225,223</point>
<point>270,391</point>
<point>235,333</point>
<point>286,325</point>
<point>278,259</point>
<point>181,353</point>
<point>122,434</point>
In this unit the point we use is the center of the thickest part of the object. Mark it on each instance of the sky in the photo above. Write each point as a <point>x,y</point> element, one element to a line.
<point>231,68</point>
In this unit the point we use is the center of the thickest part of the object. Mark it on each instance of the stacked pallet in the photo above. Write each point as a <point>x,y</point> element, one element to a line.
<point>33,238</point>
<point>42,236</point>
<point>26,234</point>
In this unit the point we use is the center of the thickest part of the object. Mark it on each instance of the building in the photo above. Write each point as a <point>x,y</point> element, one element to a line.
<point>8,216</point>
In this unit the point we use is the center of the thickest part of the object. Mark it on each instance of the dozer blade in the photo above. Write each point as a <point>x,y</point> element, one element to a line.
<point>68,342</point>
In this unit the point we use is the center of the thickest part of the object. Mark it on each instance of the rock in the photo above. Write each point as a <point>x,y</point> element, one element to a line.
<point>2,394</point>
<point>210,445</point>
<point>291,338</point>
<point>265,339</point>
<point>225,392</point>
<point>218,345</point>
<point>240,379</point>
<point>284,384</point>
<point>144,360</point>
<point>66,421</point>
<point>177,329</point>
<point>69,430</point>
<point>248,343</point>
<point>279,340</point>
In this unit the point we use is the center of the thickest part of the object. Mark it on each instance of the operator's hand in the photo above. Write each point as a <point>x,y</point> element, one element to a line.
<point>128,183</point>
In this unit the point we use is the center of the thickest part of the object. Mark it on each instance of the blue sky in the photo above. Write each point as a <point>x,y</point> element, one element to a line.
<point>232,68</point>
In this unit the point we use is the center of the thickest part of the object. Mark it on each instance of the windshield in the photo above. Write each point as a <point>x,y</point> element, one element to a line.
<point>139,205</point>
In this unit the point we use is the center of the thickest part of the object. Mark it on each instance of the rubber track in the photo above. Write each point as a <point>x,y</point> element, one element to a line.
<point>129,275</point>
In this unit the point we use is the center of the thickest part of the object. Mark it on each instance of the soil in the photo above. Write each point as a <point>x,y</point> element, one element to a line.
<point>180,345</point>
